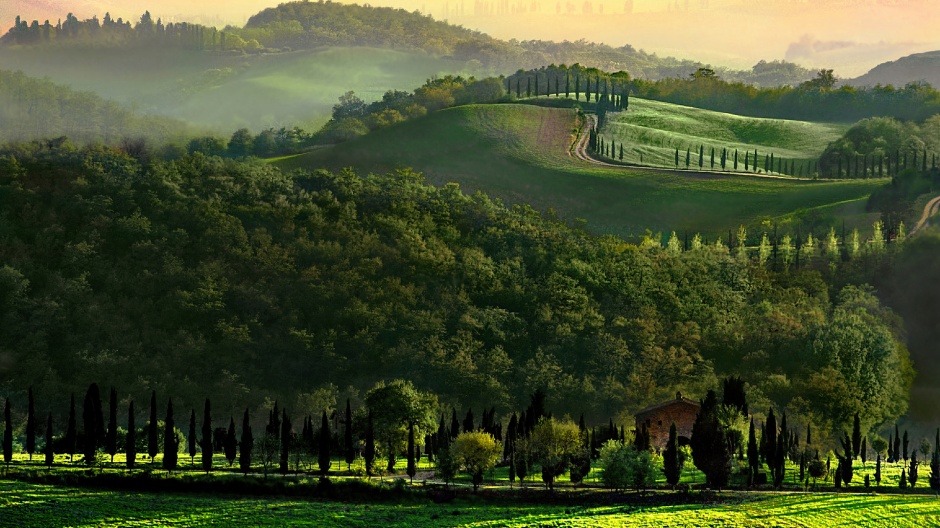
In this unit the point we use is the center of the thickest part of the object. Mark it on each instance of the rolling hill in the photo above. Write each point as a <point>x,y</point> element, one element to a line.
<point>519,153</point>
<point>912,68</point>
<point>656,129</point>
<point>225,92</point>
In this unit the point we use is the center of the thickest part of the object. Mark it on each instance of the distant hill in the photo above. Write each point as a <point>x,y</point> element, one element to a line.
<point>913,68</point>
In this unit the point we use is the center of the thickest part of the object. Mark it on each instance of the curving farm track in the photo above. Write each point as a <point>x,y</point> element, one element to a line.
<point>932,207</point>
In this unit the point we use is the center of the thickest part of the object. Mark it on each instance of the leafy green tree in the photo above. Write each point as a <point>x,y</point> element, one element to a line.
<point>475,453</point>
<point>130,442</point>
<point>553,445</point>
<point>241,144</point>
<point>624,466</point>
<point>394,407</point>
<point>170,446</point>
<point>323,459</point>
<point>206,443</point>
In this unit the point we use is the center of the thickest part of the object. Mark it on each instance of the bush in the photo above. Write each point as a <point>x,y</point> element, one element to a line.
<point>624,466</point>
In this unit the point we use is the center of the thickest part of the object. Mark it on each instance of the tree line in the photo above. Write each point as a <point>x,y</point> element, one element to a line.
<point>396,420</point>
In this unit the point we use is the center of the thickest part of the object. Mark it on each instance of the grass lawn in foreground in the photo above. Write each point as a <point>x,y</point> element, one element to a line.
<point>24,505</point>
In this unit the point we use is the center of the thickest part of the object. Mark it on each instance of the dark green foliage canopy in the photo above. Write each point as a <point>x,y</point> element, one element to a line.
<point>205,273</point>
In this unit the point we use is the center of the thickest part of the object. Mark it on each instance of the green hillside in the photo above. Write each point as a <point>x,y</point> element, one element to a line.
<point>229,91</point>
<point>656,129</point>
<point>519,154</point>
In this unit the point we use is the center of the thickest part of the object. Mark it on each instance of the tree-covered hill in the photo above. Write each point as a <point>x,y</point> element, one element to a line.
<point>204,276</point>
<point>919,67</point>
<point>33,108</point>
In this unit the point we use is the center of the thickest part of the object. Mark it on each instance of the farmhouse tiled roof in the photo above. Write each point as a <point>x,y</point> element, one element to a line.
<point>679,399</point>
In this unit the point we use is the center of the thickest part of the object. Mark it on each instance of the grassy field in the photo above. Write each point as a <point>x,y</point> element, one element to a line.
<point>224,92</point>
<point>655,130</point>
<point>518,153</point>
<point>25,505</point>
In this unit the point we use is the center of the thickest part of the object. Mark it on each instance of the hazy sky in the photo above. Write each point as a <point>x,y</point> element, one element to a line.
<point>850,36</point>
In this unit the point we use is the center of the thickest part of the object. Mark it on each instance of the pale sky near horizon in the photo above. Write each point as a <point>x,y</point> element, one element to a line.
<point>850,36</point>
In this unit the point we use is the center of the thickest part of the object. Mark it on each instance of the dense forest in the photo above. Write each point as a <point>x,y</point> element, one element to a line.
<point>309,25</point>
<point>208,276</point>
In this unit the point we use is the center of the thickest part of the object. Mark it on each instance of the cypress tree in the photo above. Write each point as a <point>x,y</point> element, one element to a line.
<point>856,437</point>
<point>747,161</point>
<point>191,437</point>
<point>323,459</point>
<point>48,448</point>
<point>152,438</point>
<point>70,430</point>
<point>903,483</point>
<point>518,87</point>
<point>7,433</point>
<point>348,436</point>
<point>30,425</point>
<point>780,454</point>
<point>677,157</point>
<point>809,434</point>
<point>671,467</point>
<point>206,443</point>
<point>701,156</point>
<point>468,422</point>
<point>621,152</point>
<point>935,464</point>
<point>247,444</point>
<point>897,444</point>
<point>130,442</point>
<point>688,158</point>
<point>567,85</point>
<point>528,87</point>
<point>170,445</point>
<point>454,424</point>
<point>905,445</point>
<point>890,448</point>
<point>878,470</point>
<point>912,474</point>
<point>577,87</point>
<point>369,451</point>
<point>90,447</point>
<point>770,438</point>
<point>411,452</point>
<point>231,442</point>
<point>110,441</point>
<point>753,456</point>
<point>713,158</point>
<point>864,452</point>
<point>709,446</point>
<point>285,442</point>
<point>735,159</point>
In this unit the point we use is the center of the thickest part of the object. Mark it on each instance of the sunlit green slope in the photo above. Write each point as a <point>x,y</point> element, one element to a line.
<point>519,153</point>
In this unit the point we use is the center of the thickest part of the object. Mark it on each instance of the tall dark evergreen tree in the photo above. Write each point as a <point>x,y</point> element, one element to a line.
<point>454,424</point>
<point>285,442</point>
<point>856,437</point>
<point>323,459</point>
<point>49,448</point>
<point>672,466</point>
<point>912,473</point>
<point>709,447</point>
<point>90,423</point>
<point>110,441</point>
<point>348,449</point>
<point>31,425</point>
<point>7,433</point>
<point>191,437</point>
<point>906,444</point>
<point>153,442</point>
<point>70,433</point>
<point>247,444</point>
<point>206,444</point>
<point>753,456</point>
<point>770,438</point>
<point>130,442</point>
<point>231,442</point>
<point>171,446</point>
<point>369,451</point>
<point>935,464</point>
<point>411,470</point>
